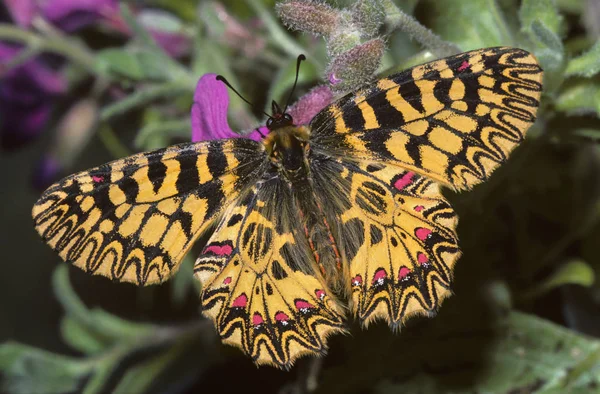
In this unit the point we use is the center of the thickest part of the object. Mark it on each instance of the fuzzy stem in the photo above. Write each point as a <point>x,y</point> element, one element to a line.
<point>397,19</point>
<point>70,49</point>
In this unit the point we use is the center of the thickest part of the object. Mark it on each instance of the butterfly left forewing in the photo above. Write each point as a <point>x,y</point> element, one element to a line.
<point>260,283</point>
<point>453,120</point>
<point>134,219</point>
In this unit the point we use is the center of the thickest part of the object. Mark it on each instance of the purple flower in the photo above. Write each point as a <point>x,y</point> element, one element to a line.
<point>68,15</point>
<point>26,95</point>
<point>211,101</point>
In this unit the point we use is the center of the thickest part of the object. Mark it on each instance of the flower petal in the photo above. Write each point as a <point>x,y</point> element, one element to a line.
<point>71,15</point>
<point>209,111</point>
<point>22,11</point>
<point>310,104</point>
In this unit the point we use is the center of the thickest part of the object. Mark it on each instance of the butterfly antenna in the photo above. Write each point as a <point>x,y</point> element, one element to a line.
<point>300,59</point>
<point>222,79</point>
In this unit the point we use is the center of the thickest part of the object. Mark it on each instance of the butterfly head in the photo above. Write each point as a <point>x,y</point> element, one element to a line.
<point>279,119</point>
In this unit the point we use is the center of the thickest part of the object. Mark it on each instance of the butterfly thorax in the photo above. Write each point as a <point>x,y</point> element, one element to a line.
<point>289,150</point>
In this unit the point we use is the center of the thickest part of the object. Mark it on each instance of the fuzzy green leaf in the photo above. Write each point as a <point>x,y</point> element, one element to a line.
<point>29,370</point>
<point>582,97</point>
<point>587,65</point>
<point>471,24</point>
<point>543,11</point>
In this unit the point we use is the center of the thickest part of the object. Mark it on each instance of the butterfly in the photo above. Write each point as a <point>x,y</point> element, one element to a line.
<point>343,216</point>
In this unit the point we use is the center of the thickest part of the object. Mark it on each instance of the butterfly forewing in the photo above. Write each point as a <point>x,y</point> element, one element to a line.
<point>134,219</point>
<point>452,120</point>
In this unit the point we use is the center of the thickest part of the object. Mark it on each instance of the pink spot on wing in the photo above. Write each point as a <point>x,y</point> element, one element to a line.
<point>320,294</point>
<point>357,280</point>
<point>219,250</point>
<point>403,273</point>
<point>240,301</point>
<point>422,233</point>
<point>303,306</point>
<point>419,208</point>
<point>404,181</point>
<point>227,280</point>
<point>379,276</point>
<point>282,317</point>
<point>257,319</point>
<point>464,65</point>
<point>97,179</point>
<point>422,258</point>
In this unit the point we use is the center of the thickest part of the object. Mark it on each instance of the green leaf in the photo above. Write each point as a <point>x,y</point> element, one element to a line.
<point>134,63</point>
<point>543,11</point>
<point>465,353</point>
<point>29,370</point>
<point>471,24</point>
<point>593,134</point>
<point>580,98</point>
<point>143,97</point>
<point>99,323</point>
<point>586,65</point>
<point>574,272</point>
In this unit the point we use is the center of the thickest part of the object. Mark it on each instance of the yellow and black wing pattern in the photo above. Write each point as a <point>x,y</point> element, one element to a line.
<point>453,120</point>
<point>134,219</point>
<point>260,282</point>
<point>364,229</point>
<point>386,150</point>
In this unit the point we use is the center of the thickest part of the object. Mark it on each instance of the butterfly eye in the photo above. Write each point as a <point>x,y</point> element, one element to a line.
<point>287,117</point>
<point>269,123</point>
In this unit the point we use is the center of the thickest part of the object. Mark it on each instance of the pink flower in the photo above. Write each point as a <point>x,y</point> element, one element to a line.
<point>26,96</point>
<point>211,102</point>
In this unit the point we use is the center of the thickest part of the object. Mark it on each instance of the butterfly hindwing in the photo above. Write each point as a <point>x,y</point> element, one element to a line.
<point>453,120</point>
<point>134,219</point>
<point>397,236</point>
<point>261,285</point>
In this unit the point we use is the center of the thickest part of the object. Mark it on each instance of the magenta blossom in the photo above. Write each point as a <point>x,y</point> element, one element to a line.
<point>27,93</point>
<point>68,15</point>
<point>211,102</point>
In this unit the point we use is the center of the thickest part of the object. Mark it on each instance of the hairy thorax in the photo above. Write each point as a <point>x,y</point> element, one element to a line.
<point>289,151</point>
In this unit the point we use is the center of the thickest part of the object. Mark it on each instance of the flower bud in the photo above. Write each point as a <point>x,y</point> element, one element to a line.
<point>368,16</point>
<point>355,67</point>
<point>309,16</point>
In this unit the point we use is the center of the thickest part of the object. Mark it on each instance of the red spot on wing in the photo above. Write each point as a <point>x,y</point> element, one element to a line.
<point>301,304</point>
<point>320,294</point>
<point>97,178</point>
<point>357,280</point>
<point>380,275</point>
<point>240,301</point>
<point>403,273</point>
<point>219,250</point>
<point>404,181</point>
<point>227,280</point>
<point>281,317</point>
<point>464,65</point>
<point>422,233</point>
<point>422,258</point>
<point>419,208</point>
<point>257,319</point>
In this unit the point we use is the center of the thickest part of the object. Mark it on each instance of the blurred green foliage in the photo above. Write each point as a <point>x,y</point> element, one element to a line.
<point>525,317</point>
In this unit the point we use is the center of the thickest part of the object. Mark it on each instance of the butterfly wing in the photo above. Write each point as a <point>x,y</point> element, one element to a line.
<point>134,219</point>
<point>261,284</point>
<point>382,154</point>
<point>452,120</point>
<point>396,234</point>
